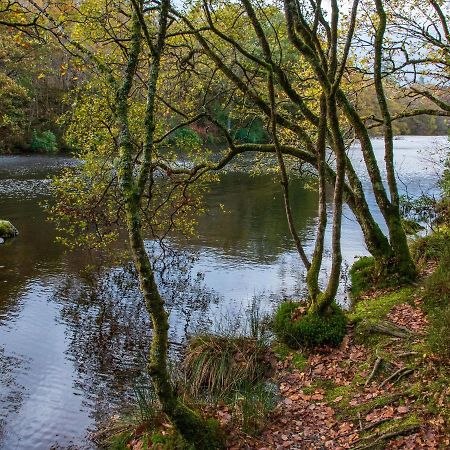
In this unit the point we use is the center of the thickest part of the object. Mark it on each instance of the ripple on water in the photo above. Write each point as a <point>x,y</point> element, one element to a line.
<point>24,189</point>
<point>39,396</point>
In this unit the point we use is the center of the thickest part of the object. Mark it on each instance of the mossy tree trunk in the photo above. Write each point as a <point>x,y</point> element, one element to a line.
<point>392,254</point>
<point>312,276</point>
<point>189,423</point>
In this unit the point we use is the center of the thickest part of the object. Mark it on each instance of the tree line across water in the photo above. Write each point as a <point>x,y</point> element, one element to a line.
<point>142,88</point>
<point>39,82</point>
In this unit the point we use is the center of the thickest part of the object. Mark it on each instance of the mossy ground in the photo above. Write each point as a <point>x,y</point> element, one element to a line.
<point>405,399</point>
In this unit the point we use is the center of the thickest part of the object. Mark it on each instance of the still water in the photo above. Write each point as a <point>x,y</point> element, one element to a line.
<point>72,345</point>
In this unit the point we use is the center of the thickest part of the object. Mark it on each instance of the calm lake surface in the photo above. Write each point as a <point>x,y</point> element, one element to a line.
<point>72,345</point>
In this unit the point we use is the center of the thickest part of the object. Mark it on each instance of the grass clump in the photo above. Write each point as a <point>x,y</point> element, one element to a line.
<point>220,365</point>
<point>311,329</point>
<point>251,404</point>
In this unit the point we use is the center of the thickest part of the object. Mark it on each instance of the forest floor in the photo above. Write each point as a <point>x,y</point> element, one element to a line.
<point>381,389</point>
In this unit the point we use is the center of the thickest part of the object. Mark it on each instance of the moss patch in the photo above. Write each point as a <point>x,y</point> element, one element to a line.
<point>370,311</point>
<point>362,275</point>
<point>311,329</point>
<point>7,229</point>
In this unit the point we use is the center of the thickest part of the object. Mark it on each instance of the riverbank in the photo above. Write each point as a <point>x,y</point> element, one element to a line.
<point>386,386</point>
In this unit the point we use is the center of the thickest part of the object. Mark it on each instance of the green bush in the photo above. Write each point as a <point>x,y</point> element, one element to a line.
<point>45,141</point>
<point>430,247</point>
<point>310,330</point>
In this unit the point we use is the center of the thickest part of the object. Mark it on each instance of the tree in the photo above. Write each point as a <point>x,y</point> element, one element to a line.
<point>141,200</point>
<point>239,56</point>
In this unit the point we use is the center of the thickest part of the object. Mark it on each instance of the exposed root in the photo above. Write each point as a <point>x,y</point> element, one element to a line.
<point>391,329</point>
<point>397,375</point>
<point>374,370</point>
<point>384,437</point>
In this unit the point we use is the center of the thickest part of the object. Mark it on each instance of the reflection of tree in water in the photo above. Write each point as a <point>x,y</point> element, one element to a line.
<point>109,330</point>
<point>11,392</point>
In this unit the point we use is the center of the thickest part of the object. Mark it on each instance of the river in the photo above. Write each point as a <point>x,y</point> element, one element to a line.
<point>72,345</point>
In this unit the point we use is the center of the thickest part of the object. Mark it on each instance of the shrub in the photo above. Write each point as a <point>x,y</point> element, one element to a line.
<point>439,332</point>
<point>45,141</point>
<point>430,247</point>
<point>311,329</point>
<point>437,305</point>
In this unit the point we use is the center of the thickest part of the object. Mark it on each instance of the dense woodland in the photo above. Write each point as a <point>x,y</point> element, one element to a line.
<point>40,82</point>
<point>156,99</point>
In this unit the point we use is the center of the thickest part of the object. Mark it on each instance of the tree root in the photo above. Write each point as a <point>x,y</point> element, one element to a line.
<point>374,425</point>
<point>406,354</point>
<point>383,437</point>
<point>374,370</point>
<point>391,329</point>
<point>397,374</point>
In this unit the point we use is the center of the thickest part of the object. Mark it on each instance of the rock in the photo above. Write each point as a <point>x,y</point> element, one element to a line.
<point>1,242</point>
<point>7,229</point>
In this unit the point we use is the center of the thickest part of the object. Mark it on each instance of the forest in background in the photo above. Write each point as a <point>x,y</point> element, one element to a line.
<point>39,83</point>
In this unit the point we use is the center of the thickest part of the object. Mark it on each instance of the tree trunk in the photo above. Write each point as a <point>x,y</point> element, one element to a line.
<point>194,428</point>
<point>324,300</point>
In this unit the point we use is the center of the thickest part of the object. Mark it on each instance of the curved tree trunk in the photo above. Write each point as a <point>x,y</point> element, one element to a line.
<point>193,427</point>
<point>312,276</point>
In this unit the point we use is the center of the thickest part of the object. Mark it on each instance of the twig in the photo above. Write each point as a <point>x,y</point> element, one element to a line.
<point>360,422</point>
<point>404,374</point>
<point>397,373</point>
<point>374,370</point>
<point>403,355</point>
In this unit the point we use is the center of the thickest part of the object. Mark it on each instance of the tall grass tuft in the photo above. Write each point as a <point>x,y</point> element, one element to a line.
<point>220,365</point>
<point>146,401</point>
<point>231,371</point>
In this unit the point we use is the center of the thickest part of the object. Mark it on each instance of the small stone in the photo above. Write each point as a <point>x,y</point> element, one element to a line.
<point>1,242</point>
